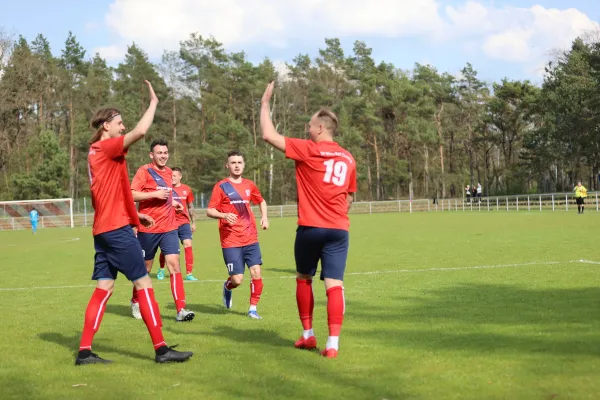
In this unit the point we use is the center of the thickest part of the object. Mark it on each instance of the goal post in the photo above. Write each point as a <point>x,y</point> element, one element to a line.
<point>53,213</point>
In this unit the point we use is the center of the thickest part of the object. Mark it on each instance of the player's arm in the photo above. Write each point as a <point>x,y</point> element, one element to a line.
<point>216,200</point>
<point>138,184</point>
<point>157,194</point>
<point>144,124</point>
<point>191,212</point>
<point>349,201</point>
<point>216,214</point>
<point>269,133</point>
<point>264,220</point>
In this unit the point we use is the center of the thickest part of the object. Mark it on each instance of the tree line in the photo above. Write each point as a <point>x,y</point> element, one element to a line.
<point>417,133</point>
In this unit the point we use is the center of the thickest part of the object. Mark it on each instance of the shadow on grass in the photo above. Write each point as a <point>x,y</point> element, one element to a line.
<point>72,343</point>
<point>244,335</point>
<point>290,271</point>
<point>200,309</point>
<point>478,317</point>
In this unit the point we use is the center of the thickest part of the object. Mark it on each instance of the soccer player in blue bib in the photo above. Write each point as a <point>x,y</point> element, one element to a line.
<point>33,219</point>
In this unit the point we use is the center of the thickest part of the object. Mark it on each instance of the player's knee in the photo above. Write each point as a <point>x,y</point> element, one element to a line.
<point>106,284</point>
<point>255,272</point>
<point>143,283</point>
<point>187,243</point>
<point>304,277</point>
<point>172,261</point>
<point>236,280</point>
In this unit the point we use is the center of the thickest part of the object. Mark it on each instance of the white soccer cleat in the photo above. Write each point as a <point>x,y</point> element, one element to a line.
<point>135,310</point>
<point>185,315</point>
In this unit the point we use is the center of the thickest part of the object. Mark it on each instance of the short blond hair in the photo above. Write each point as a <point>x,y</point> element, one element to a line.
<point>329,119</point>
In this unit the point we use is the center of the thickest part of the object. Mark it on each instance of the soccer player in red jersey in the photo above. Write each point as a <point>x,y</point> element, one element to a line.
<point>185,225</point>
<point>326,180</point>
<point>152,187</point>
<point>117,249</point>
<point>230,204</point>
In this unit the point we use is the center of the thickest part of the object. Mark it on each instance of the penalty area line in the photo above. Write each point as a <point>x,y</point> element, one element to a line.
<point>394,271</point>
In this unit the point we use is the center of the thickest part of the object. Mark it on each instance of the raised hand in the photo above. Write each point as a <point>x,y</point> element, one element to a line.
<point>153,97</point>
<point>266,99</point>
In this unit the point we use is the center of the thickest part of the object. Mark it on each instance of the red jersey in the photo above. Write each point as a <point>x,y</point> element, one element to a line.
<point>148,178</point>
<point>109,183</point>
<point>183,194</point>
<point>325,174</point>
<point>228,197</point>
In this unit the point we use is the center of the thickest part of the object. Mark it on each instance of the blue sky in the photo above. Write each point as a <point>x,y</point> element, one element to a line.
<point>500,38</point>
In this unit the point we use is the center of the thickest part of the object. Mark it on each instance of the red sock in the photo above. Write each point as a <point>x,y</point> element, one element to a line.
<point>134,295</point>
<point>228,284</point>
<point>161,260</point>
<point>93,317</point>
<point>189,259</point>
<point>178,291</point>
<point>256,288</point>
<point>151,316</point>
<point>305,301</point>
<point>336,307</point>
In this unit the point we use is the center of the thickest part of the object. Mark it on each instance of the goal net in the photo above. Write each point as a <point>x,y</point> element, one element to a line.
<point>53,213</point>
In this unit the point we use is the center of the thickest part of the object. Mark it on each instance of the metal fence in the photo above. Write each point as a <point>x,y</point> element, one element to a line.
<point>557,202</point>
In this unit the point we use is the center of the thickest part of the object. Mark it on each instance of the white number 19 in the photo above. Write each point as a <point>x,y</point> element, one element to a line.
<point>338,170</point>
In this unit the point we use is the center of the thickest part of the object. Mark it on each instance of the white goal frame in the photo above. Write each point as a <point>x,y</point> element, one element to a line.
<point>42,201</point>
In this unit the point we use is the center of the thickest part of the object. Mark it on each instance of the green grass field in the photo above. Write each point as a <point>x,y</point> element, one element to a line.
<point>439,306</point>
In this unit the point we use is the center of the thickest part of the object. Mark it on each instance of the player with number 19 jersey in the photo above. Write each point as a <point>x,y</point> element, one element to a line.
<point>325,174</point>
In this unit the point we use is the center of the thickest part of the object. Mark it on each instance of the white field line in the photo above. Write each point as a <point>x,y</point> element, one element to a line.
<point>46,242</point>
<point>395,271</point>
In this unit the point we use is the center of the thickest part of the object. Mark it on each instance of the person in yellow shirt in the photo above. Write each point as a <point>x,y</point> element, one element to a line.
<point>580,195</point>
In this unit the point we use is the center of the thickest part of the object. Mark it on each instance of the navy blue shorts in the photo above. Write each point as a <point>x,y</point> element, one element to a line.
<point>236,258</point>
<point>118,251</point>
<point>185,232</point>
<point>167,241</point>
<point>328,245</point>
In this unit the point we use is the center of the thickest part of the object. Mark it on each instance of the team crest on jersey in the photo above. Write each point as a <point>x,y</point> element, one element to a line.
<point>247,192</point>
<point>185,192</point>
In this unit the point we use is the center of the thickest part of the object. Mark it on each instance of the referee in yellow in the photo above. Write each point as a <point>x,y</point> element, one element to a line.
<point>580,195</point>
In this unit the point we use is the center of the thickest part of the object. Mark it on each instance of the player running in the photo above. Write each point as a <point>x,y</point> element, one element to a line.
<point>117,249</point>
<point>151,187</point>
<point>185,225</point>
<point>580,195</point>
<point>326,179</point>
<point>230,204</point>
<point>33,219</point>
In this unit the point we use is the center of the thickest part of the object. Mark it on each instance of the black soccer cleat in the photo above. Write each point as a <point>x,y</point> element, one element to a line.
<point>172,355</point>
<point>92,358</point>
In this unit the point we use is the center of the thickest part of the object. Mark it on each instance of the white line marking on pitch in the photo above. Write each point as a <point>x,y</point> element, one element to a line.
<point>48,242</point>
<point>395,271</point>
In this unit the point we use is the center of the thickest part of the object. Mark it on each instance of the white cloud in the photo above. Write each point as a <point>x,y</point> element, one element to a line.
<point>523,35</point>
<point>157,25</point>
<point>512,34</point>
<point>112,52</point>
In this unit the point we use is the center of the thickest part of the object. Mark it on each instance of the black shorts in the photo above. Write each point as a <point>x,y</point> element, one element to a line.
<point>118,251</point>
<point>236,258</point>
<point>579,200</point>
<point>330,246</point>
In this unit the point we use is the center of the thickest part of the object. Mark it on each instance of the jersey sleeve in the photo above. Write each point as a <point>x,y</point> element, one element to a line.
<point>139,180</point>
<point>255,195</point>
<point>216,199</point>
<point>296,149</point>
<point>352,181</point>
<point>113,147</point>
